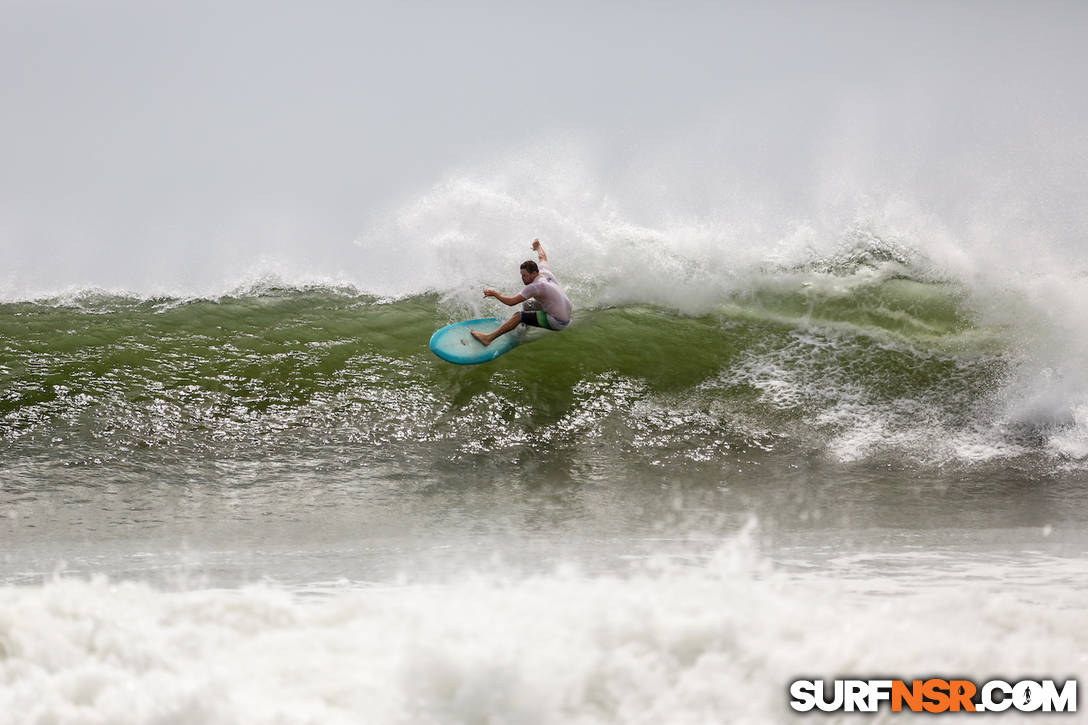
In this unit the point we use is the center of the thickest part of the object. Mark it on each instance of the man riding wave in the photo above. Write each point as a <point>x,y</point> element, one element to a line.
<point>546,304</point>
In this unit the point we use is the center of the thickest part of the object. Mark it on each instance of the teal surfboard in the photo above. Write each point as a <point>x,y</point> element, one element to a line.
<point>455,344</point>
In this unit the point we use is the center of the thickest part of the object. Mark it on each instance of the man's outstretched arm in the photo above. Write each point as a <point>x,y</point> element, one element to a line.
<point>511,301</point>
<point>540,250</point>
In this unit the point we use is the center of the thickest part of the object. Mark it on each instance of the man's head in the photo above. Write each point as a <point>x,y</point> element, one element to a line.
<point>529,271</point>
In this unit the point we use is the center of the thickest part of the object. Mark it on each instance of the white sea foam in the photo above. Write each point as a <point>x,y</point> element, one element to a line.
<point>1047,392</point>
<point>695,640</point>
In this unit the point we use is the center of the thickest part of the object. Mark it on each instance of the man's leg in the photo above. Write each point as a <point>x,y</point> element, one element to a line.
<point>507,326</point>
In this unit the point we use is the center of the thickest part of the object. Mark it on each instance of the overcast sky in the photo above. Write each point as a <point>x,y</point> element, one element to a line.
<point>142,134</point>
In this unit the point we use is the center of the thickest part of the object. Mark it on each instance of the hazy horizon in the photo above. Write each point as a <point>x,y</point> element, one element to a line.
<point>153,145</point>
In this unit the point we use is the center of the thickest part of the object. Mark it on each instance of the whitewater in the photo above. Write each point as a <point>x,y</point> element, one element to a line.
<point>822,412</point>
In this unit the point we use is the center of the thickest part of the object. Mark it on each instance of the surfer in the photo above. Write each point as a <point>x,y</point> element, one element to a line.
<point>546,304</point>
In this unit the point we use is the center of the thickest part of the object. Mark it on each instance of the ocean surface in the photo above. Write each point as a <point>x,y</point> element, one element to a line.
<point>272,504</point>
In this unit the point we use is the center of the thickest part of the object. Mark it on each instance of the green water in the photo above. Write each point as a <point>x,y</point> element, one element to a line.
<point>305,371</point>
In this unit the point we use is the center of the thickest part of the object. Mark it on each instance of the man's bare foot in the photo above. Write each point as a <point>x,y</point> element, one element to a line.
<point>483,338</point>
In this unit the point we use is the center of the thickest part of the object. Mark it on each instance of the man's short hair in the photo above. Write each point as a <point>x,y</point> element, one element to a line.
<point>530,265</point>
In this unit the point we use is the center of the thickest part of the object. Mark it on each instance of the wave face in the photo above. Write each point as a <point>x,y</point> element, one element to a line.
<point>863,356</point>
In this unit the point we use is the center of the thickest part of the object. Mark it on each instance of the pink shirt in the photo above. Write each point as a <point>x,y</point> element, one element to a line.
<point>545,289</point>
